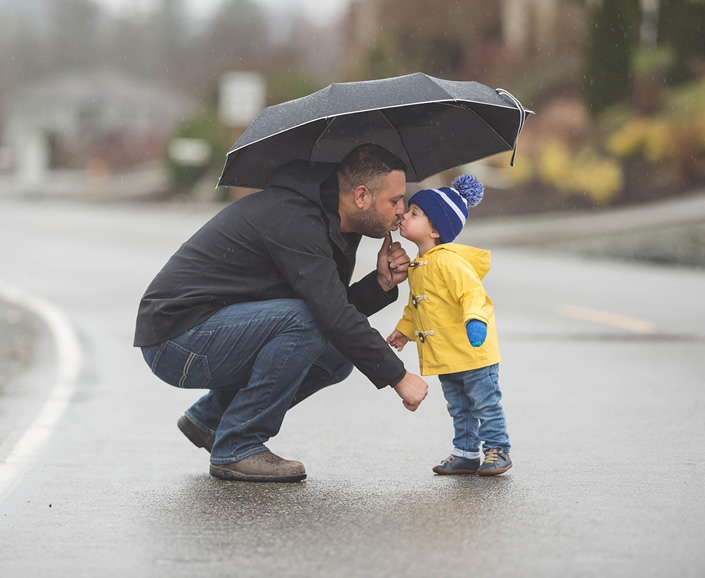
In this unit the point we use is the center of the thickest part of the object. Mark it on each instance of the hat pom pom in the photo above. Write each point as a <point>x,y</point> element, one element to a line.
<point>469,188</point>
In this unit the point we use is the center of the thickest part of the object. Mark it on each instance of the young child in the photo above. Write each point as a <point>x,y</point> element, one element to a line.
<point>451,318</point>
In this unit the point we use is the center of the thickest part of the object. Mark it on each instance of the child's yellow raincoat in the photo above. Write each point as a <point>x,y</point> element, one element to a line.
<point>445,292</point>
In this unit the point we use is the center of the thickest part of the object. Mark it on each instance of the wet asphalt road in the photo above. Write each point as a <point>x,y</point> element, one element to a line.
<point>603,389</point>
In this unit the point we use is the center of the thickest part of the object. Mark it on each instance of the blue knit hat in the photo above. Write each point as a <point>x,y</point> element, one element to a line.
<point>447,207</point>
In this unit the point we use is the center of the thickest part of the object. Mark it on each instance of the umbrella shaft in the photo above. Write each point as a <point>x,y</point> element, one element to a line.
<point>389,263</point>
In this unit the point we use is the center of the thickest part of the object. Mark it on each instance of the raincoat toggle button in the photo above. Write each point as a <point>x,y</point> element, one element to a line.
<point>416,298</point>
<point>422,335</point>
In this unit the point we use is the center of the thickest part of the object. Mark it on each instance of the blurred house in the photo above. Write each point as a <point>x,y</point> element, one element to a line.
<point>93,122</point>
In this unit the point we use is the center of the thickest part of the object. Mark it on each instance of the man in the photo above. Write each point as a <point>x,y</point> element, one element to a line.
<point>258,308</point>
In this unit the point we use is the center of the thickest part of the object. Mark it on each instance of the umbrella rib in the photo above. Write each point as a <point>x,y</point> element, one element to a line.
<point>320,136</point>
<point>401,140</point>
<point>489,126</point>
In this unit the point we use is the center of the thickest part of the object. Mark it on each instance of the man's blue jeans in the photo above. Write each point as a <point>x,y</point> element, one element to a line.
<point>258,360</point>
<point>474,404</point>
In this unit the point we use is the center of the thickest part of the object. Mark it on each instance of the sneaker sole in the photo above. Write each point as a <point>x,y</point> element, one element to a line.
<point>227,474</point>
<point>194,435</point>
<point>493,472</point>
<point>452,473</point>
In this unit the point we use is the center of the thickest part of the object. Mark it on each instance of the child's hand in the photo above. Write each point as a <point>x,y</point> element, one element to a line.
<point>397,340</point>
<point>477,332</point>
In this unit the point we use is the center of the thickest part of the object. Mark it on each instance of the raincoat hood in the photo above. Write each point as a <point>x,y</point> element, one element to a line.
<point>479,258</point>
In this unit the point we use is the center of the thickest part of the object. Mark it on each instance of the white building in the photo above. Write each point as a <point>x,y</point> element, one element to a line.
<point>74,119</point>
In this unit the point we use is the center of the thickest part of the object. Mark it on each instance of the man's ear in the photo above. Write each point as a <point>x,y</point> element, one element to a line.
<point>362,196</point>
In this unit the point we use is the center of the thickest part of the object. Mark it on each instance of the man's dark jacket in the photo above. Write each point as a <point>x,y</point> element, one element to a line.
<point>282,242</point>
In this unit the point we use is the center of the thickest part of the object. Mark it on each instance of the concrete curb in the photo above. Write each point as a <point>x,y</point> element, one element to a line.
<point>68,365</point>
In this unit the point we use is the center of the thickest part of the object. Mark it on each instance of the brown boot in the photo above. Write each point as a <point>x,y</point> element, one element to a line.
<point>261,467</point>
<point>195,434</point>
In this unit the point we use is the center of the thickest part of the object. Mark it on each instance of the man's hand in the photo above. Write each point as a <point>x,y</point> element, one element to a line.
<point>397,340</point>
<point>412,390</point>
<point>392,257</point>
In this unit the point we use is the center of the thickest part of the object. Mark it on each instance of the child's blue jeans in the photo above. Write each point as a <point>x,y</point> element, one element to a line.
<point>474,404</point>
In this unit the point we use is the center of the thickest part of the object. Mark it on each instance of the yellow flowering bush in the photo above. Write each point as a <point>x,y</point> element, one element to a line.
<point>654,138</point>
<point>521,173</point>
<point>582,172</point>
<point>620,149</point>
<point>676,133</point>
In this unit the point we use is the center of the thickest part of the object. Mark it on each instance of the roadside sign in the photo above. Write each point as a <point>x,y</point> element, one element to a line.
<point>241,97</point>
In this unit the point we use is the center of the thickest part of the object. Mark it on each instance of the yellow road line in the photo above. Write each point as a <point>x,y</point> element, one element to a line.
<point>610,319</point>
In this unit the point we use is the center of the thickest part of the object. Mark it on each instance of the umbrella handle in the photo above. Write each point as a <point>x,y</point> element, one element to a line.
<point>389,264</point>
<point>522,118</point>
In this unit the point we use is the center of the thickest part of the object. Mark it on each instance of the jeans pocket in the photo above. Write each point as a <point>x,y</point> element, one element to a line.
<point>180,367</point>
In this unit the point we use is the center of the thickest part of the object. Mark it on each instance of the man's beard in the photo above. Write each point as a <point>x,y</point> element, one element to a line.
<point>371,224</point>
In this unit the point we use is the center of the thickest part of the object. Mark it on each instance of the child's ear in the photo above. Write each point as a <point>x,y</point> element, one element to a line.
<point>435,234</point>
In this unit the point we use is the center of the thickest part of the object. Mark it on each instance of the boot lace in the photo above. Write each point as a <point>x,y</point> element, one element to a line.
<point>493,456</point>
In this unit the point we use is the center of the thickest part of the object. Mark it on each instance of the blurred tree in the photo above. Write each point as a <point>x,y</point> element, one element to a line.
<point>74,40</point>
<point>290,84</point>
<point>21,56</point>
<point>441,39</point>
<point>130,46</point>
<point>236,37</point>
<point>170,40</point>
<point>682,27</point>
<point>614,34</point>
<point>48,37</point>
<point>536,47</point>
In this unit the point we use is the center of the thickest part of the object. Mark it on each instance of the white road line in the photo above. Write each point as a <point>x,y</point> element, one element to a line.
<point>68,365</point>
<point>610,319</point>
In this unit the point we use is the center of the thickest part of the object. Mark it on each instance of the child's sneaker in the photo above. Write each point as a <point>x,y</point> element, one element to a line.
<point>496,462</point>
<point>457,465</point>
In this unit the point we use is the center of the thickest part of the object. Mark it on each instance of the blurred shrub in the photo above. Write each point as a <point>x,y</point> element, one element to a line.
<point>650,61</point>
<point>289,85</point>
<point>204,125</point>
<point>570,171</point>
<point>675,134</point>
<point>583,171</point>
<point>649,137</point>
<point>521,173</point>
<point>628,154</point>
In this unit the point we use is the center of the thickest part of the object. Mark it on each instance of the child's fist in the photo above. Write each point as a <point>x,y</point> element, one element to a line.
<point>397,340</point>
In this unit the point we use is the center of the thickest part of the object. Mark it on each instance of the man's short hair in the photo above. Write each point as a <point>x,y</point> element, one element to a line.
<point>368,165</point>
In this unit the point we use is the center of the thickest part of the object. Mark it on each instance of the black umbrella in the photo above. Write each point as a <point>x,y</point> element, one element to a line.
<point>430,123</point>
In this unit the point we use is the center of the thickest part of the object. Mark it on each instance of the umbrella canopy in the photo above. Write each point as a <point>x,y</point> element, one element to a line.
<point>430,123</point>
